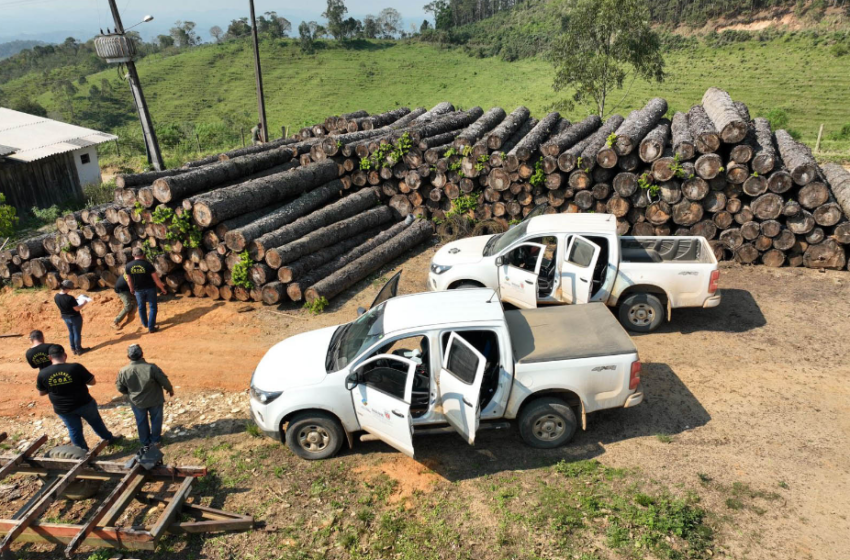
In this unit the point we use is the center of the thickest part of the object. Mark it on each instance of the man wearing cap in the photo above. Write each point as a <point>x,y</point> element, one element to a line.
<point>143,282</point>
<point>144,383</point>
<point>67,386</point>
<point>69,308</point>
<point>37,356</point>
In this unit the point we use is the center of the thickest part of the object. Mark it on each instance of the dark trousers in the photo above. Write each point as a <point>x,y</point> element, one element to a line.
<point>149,424</point>
<point>75,331</point>
<point>74,422</point>
<point>145,298</point>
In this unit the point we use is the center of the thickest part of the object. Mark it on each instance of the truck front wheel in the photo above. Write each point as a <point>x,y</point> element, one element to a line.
<point>314,436</point>
<point>641,313</point>
<point>547,422</point>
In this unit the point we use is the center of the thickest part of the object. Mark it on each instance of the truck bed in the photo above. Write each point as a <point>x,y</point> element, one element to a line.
<point>665,249</point>
<point>566,333</point>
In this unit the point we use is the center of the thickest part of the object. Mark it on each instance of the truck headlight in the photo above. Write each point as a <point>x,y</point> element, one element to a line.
<point>439,268</point>
<point>264,397</point>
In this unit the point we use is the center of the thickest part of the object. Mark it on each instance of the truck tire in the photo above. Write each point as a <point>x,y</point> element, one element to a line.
<point>314,436</point>
<point>467,285</point>
<point>79,489</point>
<point>547,422</point>
<point>641,313</point>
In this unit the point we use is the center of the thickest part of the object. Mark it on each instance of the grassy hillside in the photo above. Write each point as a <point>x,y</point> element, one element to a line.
<point>213,86</point>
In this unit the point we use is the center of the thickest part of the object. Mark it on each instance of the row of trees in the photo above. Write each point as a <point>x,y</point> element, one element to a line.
<point>454,13</point>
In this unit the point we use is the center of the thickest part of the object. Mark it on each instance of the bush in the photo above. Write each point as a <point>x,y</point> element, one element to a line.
<point>843,134</point>
<point>8,217</point>
<point>46,215</point>
<point>778,118</point>
<point>838,50</point>
<point>99,193</point>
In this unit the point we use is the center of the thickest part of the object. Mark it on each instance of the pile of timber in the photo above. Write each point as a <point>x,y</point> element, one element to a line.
<point>310,215</point>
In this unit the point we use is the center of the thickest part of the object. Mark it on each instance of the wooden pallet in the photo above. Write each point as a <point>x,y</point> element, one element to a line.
<point>99,530</point>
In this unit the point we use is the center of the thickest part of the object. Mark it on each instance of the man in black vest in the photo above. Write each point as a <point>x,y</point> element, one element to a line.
<point>37,356</point>
<point>143,282</point>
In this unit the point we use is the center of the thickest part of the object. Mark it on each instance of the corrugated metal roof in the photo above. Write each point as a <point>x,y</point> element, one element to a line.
<point>31,138</point>
<point>6,150</point>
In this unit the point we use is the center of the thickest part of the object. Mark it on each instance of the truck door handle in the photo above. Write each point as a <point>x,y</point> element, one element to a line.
<point>583,280</point>
<point>529,282</point>
<point>466,402</point>
<point>397,413</point>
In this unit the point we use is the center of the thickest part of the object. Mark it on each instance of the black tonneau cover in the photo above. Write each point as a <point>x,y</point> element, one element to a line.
<point>566,332</point>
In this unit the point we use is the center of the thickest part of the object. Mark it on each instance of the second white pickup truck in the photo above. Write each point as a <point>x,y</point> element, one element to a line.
<point>580,258</point>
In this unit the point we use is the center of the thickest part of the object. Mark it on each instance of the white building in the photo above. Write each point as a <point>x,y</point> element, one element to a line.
<point>45,162</point>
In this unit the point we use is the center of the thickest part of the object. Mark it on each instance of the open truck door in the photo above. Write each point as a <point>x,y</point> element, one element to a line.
<point>459,386</point>
<point>577,270</point>
<point>518,274</point>
<point>381,390</point>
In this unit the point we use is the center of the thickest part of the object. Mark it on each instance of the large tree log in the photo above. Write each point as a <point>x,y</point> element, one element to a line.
<point>439,110</point>
<point>839,184</point>
<point>767,206</point>
<point>510,125</point>
<point>683,139</point>
<point>827,254</point>
<point>123,180</point>
<point>239,239</point>
<point>827,215</point>
<point>32,247</point>
<point>652,146</point>
<point>327,235</point>
<point>384,119</point>
<point>598,140</point>
<point>308,264</point>
<point>180,186</point>
<point>571,136</point>
<point>779,181</point>
<point>706,137</point>
<point>233,201</point>
<point>764,156</point>
<point>746,254</point>
<point>687,213</point>
<point>485,123</point>
<point>708,166</point>
<point>773,258</point>
<point>445,123</point>
<point>732,238</point>
<point>350,206</point>
<point>638,125</point>
<point>515,139</point>
<point>724,115</point>
<point>802,223</point>
<point>797,158</point>
<point>813,195</point>
<point>372,261</point>
<point>536,136</point>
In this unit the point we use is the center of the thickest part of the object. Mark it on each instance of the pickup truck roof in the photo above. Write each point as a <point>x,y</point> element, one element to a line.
<point>441,308</point>
<point>566,333</point>
<point>584,223</point>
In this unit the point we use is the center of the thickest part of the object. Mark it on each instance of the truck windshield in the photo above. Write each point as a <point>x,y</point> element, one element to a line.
<point>351,340</point>
<point>502,241</point>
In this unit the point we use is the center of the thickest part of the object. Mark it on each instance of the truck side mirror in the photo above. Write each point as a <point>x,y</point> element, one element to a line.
<point>352,381</point>
<point>499,261</point>
<point>361,311</point>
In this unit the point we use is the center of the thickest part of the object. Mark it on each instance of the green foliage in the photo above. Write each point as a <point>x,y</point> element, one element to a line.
<point>46,215</point>
<point>241,273</point>
<point>450,152</point>
<point>99,193</point>
<point>316,306</point>
<point>676,167</point>
<point>611,139</point>
<point>253,430</point>
<point>778,118</point>
<point>603,43</point>
<point>843,134</point>
<point>538,178</point>
<point>8,217</point>
<point>389,154</point>
<point>151,250</point>
<point>463,205</point>
<point>180,228</point>
<point>645,181</point>
<point>482,162</point>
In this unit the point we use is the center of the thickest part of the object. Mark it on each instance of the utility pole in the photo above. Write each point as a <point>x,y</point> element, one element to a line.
<point>261,100</point>
<point>151,144</point>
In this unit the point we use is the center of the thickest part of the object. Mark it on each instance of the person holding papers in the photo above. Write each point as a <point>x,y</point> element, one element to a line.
<point>69,308</point>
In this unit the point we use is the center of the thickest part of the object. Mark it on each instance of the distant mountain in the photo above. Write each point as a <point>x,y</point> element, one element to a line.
<point>14,47</point>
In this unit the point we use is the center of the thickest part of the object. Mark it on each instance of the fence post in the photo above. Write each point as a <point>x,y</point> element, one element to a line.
<point>198,140</point>
<point>242,131</point>
<point>820,134</point>
<point>283,131</point>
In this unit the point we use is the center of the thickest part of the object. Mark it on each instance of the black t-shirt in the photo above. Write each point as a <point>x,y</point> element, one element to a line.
<point>37,356</point>
<point>65,384</point>
<point>141,271</point>
<point>121,285</point>
<point>66,305</point>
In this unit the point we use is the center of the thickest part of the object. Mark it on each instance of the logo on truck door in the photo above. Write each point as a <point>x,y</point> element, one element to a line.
<point>604,368</point>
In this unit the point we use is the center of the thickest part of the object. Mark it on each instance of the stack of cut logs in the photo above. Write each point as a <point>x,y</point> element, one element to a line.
<point>325,208</point>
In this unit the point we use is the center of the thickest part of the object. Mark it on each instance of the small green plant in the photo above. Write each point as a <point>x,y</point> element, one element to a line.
<point>8,217</point>
<point>676,167</point>
<point>538,179</point>
<point>138,208</point>
<point>46,215</point>
<point>467,151</point>
<point>339,143</point>
<point>66,248</point>
<point>463,205</point>
<point>387,155</point>
<point>755,174</point>
<point>783,485</point>
<point>645,183</point>
<point>253,430</point>
<point>514,222</point>
<point>450,152</point>
<point>664,438</point>
<point>721,170</point>
<point>734,503</point>
<point>578,162</point>
<point>316,306</point>
<point>704,478</point>
<point>483,160</point>
<point>151,250</point>
<point>612,138</point>
<point>241,273</point>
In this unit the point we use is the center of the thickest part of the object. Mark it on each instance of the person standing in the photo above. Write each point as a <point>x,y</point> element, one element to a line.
<point>143,281</point>
<point>67,386</point>
<point>257,134</point>
<point>127,299</point>
<point>37,356</point>
<point>144,383</point>
<point>69,307</point>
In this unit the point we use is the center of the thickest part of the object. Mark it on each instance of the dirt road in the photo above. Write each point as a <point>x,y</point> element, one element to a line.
<point>755,392</point>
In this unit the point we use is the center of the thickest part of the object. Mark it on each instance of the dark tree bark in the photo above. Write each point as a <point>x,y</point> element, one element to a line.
<point>308,264</point>
<point>827,254</point>
<point>764,155</point>
<point>695,188</point>
<point>802,223</point>
<point>705,228</point>
<point>732,238</point>
<point>638,125</point>
<point>780,181</point>
<point>598,140</point>
<point>484,124</point>
<point>706,137</point>
<point>708,166</point>
<point>222,204</point>
<point>683,139</point>
<point>443,141</point>
<point>827,215</point>
<point>797,158</point>
<point>123,181</point>
<point>32,247</point>
<point>445,123</point>
<point>384,119</point>
<point>767,206</point>
<point>813,195</point>
<point>180,186</point>
<point>372,261</point>
<point>839,184</point>
<point>439,110</point>
<point>653,144</point>
<point>687,213</point>
<point>536,136</point>
<point>571,136</point>
<point>727,120</point>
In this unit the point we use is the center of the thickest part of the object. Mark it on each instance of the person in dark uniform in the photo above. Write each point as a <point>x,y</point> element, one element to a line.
<point>70,310</point>
<point>127,299</point>
<point>257,134</point>
<point>67,386</point>
<point>143,281</point>
<point>37,356</point>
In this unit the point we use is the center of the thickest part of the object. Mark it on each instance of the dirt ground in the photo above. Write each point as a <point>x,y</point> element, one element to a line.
<point>755,392</point>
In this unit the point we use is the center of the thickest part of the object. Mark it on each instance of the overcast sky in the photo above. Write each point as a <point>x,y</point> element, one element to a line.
<point>53,20</point>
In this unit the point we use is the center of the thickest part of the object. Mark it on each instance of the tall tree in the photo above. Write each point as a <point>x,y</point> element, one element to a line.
<point>602,44</point>
<point>371,29</point>
<point>442,11</point>
<point>165,41</point>
<point>238,28</point>
<point>426,25</point>
<point>389,20</point>
<point>335,14</point>
<point>306,38</point>
<point>272,25</point>
<point>184,34</point>
<point>216,33</point>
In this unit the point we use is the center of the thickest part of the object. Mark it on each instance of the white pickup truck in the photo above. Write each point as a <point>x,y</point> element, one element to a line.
<point>579,258</point>
<point>443,362</point>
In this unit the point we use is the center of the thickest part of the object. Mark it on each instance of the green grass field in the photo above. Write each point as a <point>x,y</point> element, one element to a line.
<point>215,83</point>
